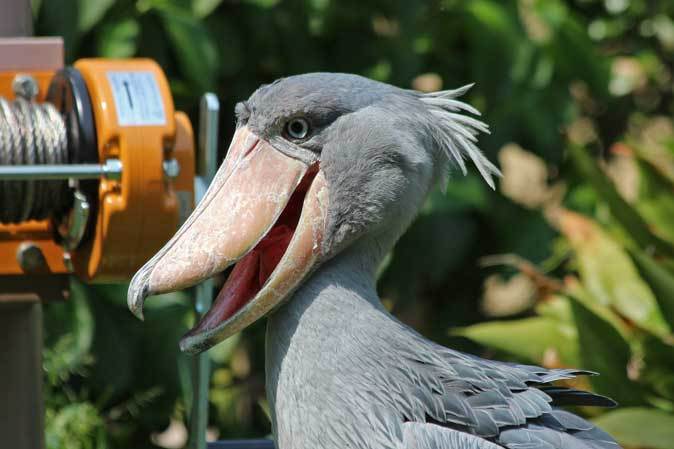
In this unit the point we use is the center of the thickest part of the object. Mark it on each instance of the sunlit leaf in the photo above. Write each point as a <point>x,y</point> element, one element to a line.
<point>639,427</point>
<point>609,275</point>
<point>517,338</point>
<point>203,8</point>
<point>75,426</point>
<point>90,12</point>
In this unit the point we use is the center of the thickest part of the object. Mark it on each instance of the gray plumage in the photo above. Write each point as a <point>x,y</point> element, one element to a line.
<point>341,371</point>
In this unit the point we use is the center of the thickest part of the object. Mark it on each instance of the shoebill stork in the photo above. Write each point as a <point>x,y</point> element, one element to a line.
<point>323,175</point>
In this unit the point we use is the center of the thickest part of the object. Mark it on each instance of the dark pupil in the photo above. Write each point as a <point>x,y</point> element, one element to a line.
<point>297,128</point>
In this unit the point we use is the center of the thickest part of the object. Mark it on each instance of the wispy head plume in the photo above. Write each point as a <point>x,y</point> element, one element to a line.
<point>456,131</point>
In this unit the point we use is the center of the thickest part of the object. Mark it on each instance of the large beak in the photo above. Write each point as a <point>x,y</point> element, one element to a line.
<point>264,210</point>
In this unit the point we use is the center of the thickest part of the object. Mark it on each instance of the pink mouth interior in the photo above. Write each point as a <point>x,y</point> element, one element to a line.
<point>251,272</point>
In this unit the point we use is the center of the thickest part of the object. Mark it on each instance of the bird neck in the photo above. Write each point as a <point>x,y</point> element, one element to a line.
<point>336,287</point>
<point>304,332</point>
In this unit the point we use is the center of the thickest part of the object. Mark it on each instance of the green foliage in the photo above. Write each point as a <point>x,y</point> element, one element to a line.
<point>561,79</point>
<point>640,427</point>
<point>77,426</point>
<point>514,337</point>
<point>617,278</point>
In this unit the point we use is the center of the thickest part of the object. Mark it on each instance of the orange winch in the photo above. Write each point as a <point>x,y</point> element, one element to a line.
<point>96,167</point>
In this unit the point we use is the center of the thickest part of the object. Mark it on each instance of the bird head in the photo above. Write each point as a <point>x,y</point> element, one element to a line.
<point>318,162</point>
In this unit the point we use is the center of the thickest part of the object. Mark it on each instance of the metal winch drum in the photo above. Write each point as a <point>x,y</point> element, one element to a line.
<point>96,168</point>
<point>97,171</point>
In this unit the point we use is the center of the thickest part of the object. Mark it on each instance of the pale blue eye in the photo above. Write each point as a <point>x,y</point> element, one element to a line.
<point>297,128</point>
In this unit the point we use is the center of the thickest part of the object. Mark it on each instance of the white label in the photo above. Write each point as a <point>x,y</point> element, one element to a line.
<point>137,99</point>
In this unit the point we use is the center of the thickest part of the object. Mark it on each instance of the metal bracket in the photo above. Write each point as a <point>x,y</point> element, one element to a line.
<point>209,112</point>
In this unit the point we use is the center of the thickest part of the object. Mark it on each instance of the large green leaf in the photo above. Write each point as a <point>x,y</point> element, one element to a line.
<point>609,275</point>
<point>603,350</point>
<point>527,338</point>
<point>639,427</point>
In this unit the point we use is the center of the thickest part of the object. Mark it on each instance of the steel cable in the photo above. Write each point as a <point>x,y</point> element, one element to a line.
<point>31,133</point>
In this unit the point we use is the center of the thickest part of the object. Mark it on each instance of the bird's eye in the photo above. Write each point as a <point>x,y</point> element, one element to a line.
<point>297,128</point>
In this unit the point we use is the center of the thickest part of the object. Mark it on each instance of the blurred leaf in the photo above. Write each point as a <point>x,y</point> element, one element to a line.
<point>69,331</point>
<point>556,307</point>
<point>660,280</point>
<point>60,18</point>
<point>463,193</point>
<point>135,358</point>
<point>657,367</point>
<point>75,426</point>
<point>203,8</point>
<point>609,275</point>
<point>263,3</point>
<point>656,202</point>
<point>639,427</point>
<point>35,7</point>
<point>119,39</point>
<point>222,352</point>
<point>603,350</point>
<point>194,48</point>
<point>633,223</point>
<point>578,292</point>
<point>91,12</point>
<point>515,337</point>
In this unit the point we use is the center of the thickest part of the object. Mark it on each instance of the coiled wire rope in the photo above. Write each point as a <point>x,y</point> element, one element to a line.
<point>32,133</point>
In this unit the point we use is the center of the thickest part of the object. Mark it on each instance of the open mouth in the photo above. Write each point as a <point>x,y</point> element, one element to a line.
<point>252,272</point>
<point>265,213</point>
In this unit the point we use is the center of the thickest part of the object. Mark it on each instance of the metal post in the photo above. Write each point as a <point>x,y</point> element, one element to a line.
<point>207,165</point>
<point>21,402</point>
<point>21,413</point>
<point>16,18</point>
<point>111,169</point>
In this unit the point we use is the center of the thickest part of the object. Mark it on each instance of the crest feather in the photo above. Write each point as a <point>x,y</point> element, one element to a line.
<point>456,133</point>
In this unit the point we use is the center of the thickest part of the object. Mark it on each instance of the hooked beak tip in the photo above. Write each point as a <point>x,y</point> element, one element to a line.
<point>138,291</point>
<point>189,345</point>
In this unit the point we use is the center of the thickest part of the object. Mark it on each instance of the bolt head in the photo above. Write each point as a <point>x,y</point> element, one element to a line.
<point>30,257</point>
<point>25,86</point>
<point>171,168</point>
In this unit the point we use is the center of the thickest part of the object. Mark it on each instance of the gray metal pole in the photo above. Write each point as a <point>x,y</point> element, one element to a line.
<point>207,165</point>
<point>16,19</point>
<point>21,402</point>
<point>112,169</point>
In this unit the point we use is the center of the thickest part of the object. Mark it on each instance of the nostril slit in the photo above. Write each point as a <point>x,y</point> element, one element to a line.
<point>251,148</point>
